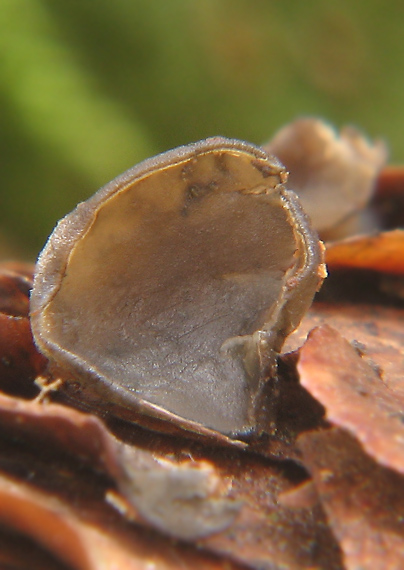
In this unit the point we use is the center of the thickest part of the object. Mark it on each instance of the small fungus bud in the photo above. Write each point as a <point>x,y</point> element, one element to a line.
<point>170,292</point>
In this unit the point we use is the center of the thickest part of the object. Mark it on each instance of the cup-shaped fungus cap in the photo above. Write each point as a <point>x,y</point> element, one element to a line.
<point>170,291</point>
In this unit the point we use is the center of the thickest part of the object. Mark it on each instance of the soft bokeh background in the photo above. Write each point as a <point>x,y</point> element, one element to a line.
<point>90,87</point>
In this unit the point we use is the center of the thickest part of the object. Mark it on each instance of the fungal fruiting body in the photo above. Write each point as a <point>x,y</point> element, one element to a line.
<point>334,174</point>
<point>169,292</point>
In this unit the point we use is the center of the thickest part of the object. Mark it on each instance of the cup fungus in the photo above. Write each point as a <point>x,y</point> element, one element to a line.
<point>168,293</point>
<point>334,174</point>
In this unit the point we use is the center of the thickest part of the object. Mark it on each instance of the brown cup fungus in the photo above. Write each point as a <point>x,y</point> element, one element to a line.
<point>168,294</point>
<point>334,174</point>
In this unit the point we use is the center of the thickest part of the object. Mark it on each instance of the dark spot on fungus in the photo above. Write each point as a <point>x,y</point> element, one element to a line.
<point>179,317</point>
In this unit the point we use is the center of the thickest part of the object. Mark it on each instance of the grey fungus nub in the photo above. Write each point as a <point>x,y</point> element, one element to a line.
<point>167,295</point>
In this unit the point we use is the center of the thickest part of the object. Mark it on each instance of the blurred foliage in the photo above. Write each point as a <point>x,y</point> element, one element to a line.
<point>88,88</point>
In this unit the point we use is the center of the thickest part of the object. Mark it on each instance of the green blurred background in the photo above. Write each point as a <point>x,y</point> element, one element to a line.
<point>90,87</point>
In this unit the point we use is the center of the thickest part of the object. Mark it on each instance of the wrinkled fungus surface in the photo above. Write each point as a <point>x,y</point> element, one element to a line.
<point>171,290</point>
